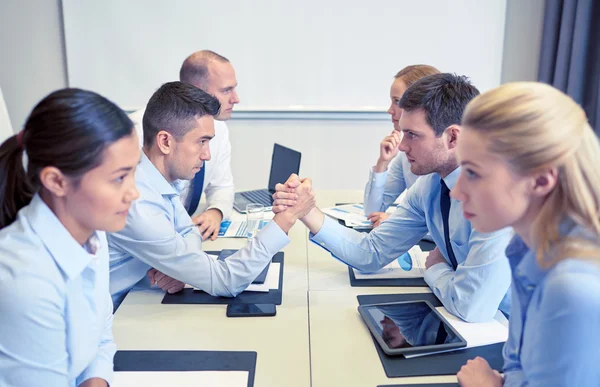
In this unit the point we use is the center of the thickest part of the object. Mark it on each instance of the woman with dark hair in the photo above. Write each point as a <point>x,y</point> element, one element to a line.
<point>64,179</point>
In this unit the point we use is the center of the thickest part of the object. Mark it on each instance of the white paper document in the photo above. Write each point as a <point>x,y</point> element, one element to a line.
<point>353,215</point>
<point>187,378</point>
<point>476,334</point>
<point>271,281</point>
<point>238,228</point>
<point>410,265</point>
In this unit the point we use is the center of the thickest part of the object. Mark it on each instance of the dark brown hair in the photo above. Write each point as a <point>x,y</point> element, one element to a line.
<point>173,108</point>
<point>443,98</point>
<point>69,129</point>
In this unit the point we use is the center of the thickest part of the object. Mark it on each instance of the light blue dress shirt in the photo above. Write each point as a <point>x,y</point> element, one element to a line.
<point>480,284</point>
<point>55,308</point>
<point>159,234</point>
<point>554,331</point>
<point>384,188</point>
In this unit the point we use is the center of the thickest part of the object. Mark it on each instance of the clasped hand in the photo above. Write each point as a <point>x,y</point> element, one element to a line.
<point>294,195</point>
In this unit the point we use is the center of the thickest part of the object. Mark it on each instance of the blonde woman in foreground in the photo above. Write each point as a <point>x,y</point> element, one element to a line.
<point>530,160</point>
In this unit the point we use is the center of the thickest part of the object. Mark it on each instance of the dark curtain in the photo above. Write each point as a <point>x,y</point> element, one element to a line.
<point>570,55</point>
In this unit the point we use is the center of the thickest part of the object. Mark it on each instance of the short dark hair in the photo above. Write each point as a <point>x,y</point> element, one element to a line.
<point>443,97</point>
<point>69,129</point>
<point>194,69</point>
<point>174,108</point>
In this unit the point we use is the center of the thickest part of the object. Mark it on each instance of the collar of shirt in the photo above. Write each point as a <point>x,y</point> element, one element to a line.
<point>69,255</point>
<point>523,260</point>
<point>156,179</point>
<point>452,178</point>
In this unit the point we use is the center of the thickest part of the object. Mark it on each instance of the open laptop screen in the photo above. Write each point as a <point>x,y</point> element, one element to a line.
<point>285,161</point>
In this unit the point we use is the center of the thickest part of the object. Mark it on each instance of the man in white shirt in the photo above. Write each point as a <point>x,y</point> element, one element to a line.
<point>215,75</point>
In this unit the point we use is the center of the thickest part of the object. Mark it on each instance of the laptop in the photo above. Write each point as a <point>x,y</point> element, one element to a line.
<point>284,162</point>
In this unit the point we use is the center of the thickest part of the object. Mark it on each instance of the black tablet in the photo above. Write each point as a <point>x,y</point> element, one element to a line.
<point>410,327</point>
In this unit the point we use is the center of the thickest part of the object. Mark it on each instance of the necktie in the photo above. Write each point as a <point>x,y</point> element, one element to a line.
<point>195,191</point>
<point>445,207</point>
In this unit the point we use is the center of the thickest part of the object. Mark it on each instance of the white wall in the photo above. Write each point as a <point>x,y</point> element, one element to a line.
<point>336,154</point>
<point>307,55</point>
<point>32,61</point>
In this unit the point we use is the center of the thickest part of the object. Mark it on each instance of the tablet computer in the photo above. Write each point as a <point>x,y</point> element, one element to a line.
<point>410,327</point>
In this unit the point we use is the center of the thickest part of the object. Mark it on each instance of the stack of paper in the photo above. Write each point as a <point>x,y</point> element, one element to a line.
<point>353,215</point>
<point>238,228</point>
<point>408,265</point>
<point>187,378</point>
<point>475,334</point>
<point>271,281</point>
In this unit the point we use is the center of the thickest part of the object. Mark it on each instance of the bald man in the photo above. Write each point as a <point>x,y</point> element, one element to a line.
<point>215,75</point>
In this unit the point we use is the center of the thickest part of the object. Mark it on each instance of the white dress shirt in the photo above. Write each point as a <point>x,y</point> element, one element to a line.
<point>218,179</point>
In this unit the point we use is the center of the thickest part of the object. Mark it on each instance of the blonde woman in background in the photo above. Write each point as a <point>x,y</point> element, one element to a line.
<point>530,160</point>
<point>386,184</point>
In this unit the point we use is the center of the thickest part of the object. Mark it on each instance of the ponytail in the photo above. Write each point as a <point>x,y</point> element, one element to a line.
<point>16,190</point>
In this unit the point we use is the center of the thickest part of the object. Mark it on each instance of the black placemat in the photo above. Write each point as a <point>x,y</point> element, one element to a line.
<point>161,361</point>
<point>191,296</point>
<point>447,363</point>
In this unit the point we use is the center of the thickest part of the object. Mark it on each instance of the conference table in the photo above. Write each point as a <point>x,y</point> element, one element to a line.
<point>316,339</point>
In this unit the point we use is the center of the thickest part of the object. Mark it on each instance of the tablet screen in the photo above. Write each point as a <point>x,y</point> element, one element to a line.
<point>409,325</point>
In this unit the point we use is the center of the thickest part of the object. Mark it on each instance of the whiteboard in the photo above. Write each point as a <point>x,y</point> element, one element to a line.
<point>309,55</point>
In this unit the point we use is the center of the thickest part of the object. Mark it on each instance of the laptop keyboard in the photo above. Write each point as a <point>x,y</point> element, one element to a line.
<point>259,196</point>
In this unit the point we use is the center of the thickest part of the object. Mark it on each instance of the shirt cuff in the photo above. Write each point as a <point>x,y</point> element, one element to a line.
<point>378,179</point>
<point>328,234</point>
<point>435,272</point>
<point>272,238</point>
<point>221,207</point>
<point>98,369</point>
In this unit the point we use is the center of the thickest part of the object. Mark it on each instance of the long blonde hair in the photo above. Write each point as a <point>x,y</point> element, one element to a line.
<point>534,126</point>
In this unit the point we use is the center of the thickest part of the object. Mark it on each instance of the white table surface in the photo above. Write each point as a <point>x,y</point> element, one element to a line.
<point>317,338</point>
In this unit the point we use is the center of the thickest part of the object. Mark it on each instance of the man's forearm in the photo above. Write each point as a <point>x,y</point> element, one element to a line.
<point>381,166</point>
<point>285,220</point>
<point>314,220</point>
